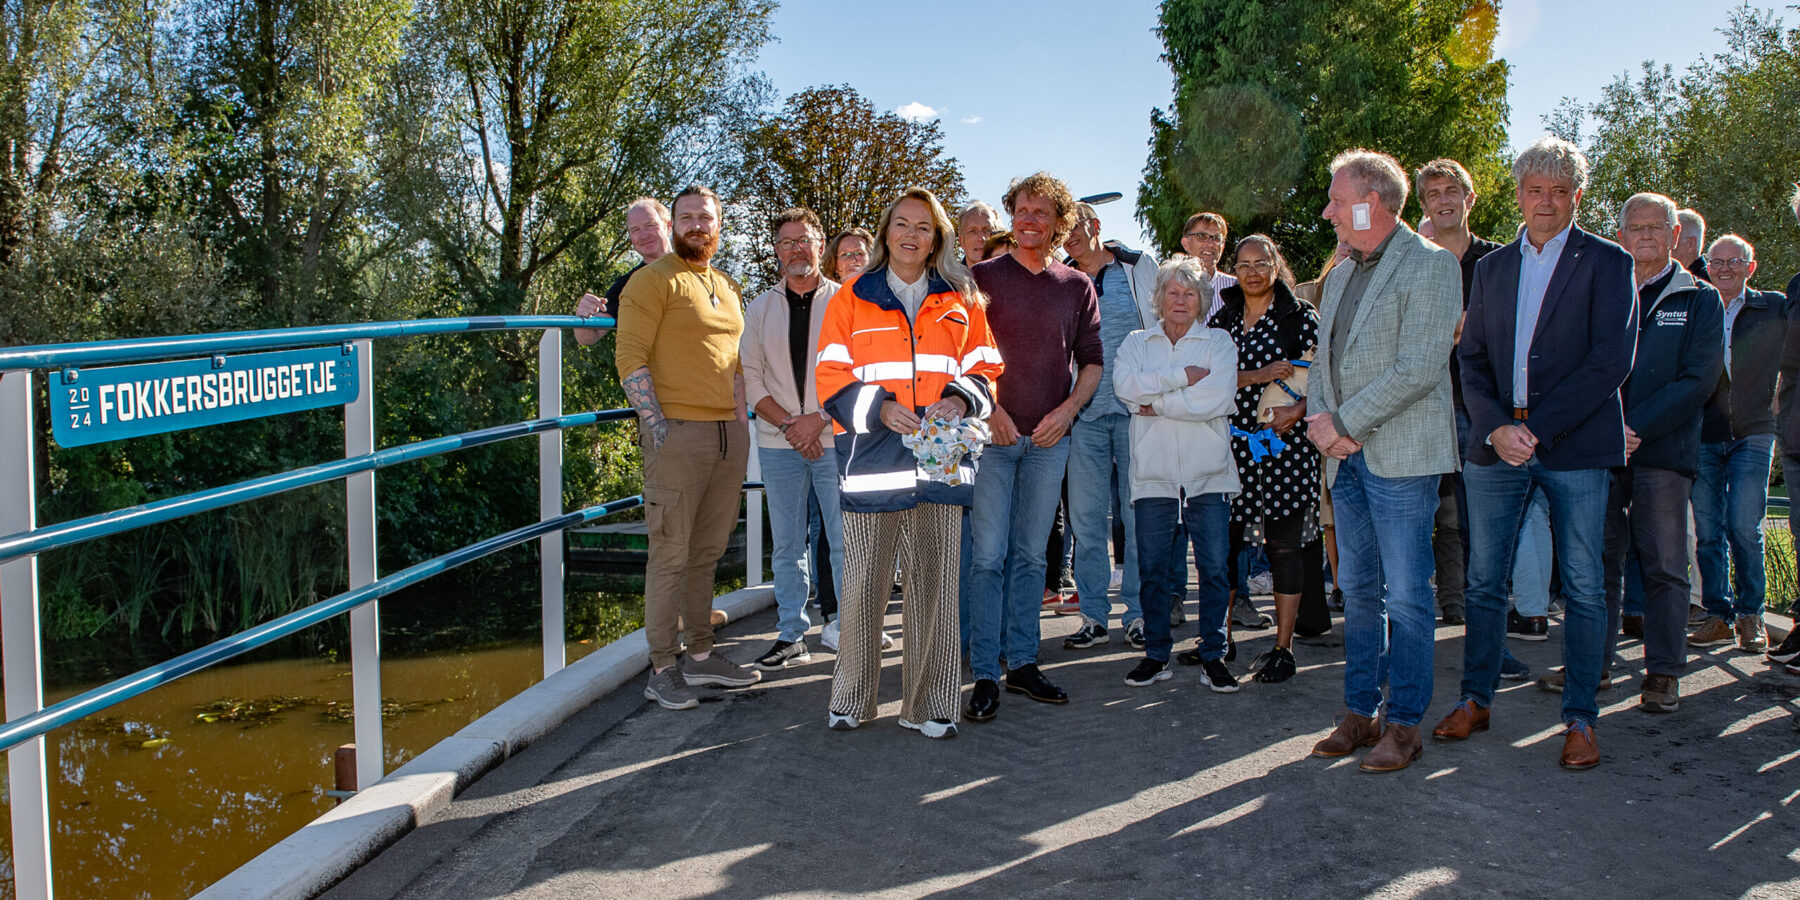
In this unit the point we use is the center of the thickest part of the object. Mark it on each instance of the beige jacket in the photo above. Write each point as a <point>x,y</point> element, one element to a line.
<point>764,353</point>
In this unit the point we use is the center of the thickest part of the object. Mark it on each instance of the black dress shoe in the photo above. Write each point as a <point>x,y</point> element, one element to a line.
<point>1029,681</point>
<point>1454,618</point>
<point>984,701</point>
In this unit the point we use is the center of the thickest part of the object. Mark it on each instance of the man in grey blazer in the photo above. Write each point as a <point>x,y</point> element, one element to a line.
<point>1380,396</point>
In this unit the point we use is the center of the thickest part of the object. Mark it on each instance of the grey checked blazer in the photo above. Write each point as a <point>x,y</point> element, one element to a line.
<point>1395,398</point>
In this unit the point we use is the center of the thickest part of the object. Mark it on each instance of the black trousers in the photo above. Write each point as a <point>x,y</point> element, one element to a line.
<point>1646,510</point>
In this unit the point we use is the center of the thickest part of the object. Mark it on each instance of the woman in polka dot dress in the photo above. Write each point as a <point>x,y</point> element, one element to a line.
<point>1272,329</point>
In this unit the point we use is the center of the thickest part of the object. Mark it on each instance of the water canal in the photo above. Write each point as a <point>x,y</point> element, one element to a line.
<point>172,790</point>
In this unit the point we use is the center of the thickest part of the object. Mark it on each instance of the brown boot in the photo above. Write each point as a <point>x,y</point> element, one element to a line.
<point>1464,720</point>
<point>1399,746</point>
<point>1352,731</point>
<point>1581,750</point>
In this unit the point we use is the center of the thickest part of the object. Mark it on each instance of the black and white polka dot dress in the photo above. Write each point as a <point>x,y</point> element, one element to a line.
<point>1282,485</point>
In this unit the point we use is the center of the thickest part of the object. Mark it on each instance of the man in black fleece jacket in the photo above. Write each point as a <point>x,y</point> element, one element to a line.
<point>1680,353</point>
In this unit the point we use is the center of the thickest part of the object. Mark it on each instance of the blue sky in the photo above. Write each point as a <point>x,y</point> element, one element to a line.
<point>1069,87</point>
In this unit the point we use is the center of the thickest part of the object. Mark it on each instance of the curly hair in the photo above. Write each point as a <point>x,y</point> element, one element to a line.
<point>1051,188</point>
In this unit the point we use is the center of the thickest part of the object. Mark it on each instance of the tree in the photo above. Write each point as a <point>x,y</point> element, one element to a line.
<point>1719,139</point>
<point>1266,94</point>
<point>572,108</point>
<point>829,150</point>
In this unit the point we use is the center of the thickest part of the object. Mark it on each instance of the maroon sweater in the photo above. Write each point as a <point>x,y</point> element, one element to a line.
<point>1047,326</point>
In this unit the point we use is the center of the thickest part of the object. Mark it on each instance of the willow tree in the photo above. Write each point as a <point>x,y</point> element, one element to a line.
<point>1267,93</point>
<point>570,108</point>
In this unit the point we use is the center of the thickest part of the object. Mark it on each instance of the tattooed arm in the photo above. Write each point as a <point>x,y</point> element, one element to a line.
<point>642,396</point>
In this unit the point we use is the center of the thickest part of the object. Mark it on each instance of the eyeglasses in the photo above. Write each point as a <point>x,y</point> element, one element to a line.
<point>853,254</point>
<point>791,243</point>
<point>1734,262</point>
<point>1261,266</point>
<point>1204,237</point>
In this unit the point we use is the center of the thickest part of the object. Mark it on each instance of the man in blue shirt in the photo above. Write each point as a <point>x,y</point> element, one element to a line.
<point>1100,440</point>
<point>1546,343</point>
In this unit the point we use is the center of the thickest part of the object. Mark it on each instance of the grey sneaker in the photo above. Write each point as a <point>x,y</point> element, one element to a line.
<point>670,690</point>
<point>782,655</point>
<point>1244,614</point>
<point>1177,615</point>
<point>936,729</point>
<point>829,635</point>
<point>716,669</point>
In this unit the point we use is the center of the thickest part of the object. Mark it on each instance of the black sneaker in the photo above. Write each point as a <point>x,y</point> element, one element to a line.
<point>1527,628</point>
<point>1335,602</point>
<point>782,655</point>
<point>1090,634</point>
<point>1788,650</point>
<point>1214,675</point>
<point>1148,672</point>
<point>1190,656</point>
<point>1276,665</point>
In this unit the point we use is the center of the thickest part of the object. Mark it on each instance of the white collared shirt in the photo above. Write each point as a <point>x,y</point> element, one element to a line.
<point>909,295</point>
<point>1535,268</point>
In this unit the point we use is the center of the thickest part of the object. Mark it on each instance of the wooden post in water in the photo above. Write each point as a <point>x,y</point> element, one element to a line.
<point>344,784</point>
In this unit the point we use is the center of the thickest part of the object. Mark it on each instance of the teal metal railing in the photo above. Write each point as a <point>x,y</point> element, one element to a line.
<point>21,540</point>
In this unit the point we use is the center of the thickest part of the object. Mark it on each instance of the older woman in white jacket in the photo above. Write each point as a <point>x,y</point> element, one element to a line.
<point>1180,379</point>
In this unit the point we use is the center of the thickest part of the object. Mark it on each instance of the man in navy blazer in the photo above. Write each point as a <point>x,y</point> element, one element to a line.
<point>1549,338</point>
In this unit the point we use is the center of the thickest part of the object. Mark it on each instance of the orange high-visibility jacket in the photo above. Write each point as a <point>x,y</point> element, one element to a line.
<point>869,354</point>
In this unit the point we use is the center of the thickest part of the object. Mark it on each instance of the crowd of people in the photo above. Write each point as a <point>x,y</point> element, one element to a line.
<point>1457,430</point>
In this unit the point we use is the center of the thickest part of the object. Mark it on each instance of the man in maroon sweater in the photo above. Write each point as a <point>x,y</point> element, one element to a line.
<point>1046,323</point>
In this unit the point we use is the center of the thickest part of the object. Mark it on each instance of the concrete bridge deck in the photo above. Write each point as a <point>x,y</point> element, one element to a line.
<point>1164,791</point>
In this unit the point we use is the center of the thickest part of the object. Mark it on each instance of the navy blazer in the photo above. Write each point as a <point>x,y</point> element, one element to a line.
<point>1580,354</point>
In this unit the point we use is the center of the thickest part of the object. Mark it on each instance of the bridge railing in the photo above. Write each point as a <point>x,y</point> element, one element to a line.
<point>21,540</point>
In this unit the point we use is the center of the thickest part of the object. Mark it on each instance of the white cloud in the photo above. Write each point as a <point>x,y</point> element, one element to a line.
<point>971,120</point>
<point>916,111</point>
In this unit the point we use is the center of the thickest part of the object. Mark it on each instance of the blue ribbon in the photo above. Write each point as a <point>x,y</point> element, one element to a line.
<point>1263,444</point>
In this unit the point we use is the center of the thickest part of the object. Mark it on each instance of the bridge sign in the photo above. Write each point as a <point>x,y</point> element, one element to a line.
<point>92,406</point>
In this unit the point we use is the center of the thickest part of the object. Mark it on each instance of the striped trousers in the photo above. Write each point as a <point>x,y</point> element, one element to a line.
<point>927,540</point>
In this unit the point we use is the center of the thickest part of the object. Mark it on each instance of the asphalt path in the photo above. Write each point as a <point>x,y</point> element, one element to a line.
<point>1169,790</point>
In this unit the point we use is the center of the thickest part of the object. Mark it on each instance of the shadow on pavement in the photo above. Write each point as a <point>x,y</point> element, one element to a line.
<point>1167,790</point>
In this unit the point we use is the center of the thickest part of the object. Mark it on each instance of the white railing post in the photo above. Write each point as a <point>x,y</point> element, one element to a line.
<point>753,530</point>
<point>365,620</point>
<point>21,650</point>
<point>550,500</point>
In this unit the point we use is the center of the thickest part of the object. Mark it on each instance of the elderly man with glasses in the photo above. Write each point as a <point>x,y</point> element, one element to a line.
<point>1737,442</point>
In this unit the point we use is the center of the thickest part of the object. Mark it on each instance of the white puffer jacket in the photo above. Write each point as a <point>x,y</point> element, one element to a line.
<point>1186,446</point>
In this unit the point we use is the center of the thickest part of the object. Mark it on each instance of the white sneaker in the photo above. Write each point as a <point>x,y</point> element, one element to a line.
<point>828,636</point>
<point>840,722</point>
<point>1262,584</point>
<point>1117,579</point>
<point>887,641</point>
<point>936,729</point>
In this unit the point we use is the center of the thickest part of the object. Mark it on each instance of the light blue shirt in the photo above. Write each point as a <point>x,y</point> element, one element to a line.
<point>1535,268</point>
<point>1118,317</point>
<point>1732,308</point>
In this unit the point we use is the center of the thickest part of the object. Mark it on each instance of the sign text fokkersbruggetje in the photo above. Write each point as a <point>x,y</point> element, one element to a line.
<point>91,406</point>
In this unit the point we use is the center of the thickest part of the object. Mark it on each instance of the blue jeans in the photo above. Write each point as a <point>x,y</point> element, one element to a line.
<point>1161,522</point>
<point>1384,569</point>
<point>1099,459</point>
<point>1016,492</point>
<point>1731,496</point>
<point>1498,497</point>
<point>789,481</point>
<point>1533,559</point>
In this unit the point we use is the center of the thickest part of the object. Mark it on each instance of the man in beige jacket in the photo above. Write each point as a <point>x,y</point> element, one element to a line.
<point>793,436</point>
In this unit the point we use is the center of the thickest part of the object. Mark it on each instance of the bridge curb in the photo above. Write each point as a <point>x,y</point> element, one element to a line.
<point>324,851</point>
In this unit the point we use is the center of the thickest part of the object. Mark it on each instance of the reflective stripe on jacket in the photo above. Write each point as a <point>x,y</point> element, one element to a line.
<point>869,354</point>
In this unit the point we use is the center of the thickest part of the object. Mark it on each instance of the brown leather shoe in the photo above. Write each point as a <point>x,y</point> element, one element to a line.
<point>1399,746</point>
<point>1580,749</point>
<point>1352,731</point>
<point>1464,720</point>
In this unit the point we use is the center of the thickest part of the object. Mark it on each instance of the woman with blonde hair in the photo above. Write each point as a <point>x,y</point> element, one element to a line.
<point>904,348</point>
